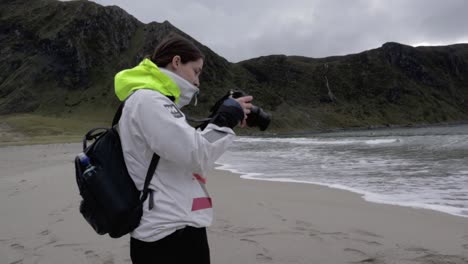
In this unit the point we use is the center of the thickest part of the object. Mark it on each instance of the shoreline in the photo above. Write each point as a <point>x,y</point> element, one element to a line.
<point>362,194</point>
<point>301,132</point>
<point>306,223</point>
<point>17,138</point>
<point>254,221</point>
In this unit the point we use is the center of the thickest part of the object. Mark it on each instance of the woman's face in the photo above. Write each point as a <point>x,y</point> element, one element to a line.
<point>190,70</point>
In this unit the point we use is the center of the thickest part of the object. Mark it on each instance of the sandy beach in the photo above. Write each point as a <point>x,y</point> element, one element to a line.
<point>255,221</point>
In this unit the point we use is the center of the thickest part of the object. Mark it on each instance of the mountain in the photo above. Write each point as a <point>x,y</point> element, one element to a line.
<point>61,56</point>
<point>391,85</point>
<point>59,59</point>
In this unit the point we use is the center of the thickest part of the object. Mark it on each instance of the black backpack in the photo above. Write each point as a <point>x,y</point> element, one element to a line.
<point>111,202</point>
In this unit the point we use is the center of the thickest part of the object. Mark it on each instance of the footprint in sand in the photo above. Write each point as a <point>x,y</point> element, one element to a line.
<point>68,245</point>
<point>264,256</point>
<point>52,240</point>
<point>94,258</point>
<point>304,226</point>
<point>367,260</point>
<point>14,193</point>
<point>91,255</point>
<point>45,232</point>
<point>275,212</point>
<point>56,215</point>
<point>249,240</point>
<point>267,233</point>
<point>247,230</point>
<point>368,242</point>
<point>336,235</point>
<point>439,258</point>
<point>366,233</point>
<point>356,251</point>
<point>17,246</point>
<point>417,249</point>
<point>70,206</point>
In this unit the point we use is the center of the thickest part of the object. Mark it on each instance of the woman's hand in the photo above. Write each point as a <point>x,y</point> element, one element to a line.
<point>246,105</point>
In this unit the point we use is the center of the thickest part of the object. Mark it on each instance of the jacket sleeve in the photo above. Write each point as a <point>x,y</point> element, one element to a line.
<point>166,131</point>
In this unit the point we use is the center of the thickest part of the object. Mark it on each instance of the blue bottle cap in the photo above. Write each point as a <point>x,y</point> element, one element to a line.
<point>84,159</point>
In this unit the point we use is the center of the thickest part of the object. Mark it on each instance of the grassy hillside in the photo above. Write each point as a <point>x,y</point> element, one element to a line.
<point>59,59</point>
<point>392,85</point>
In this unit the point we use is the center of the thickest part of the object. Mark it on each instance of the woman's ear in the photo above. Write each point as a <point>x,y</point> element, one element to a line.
<point>176,61</point>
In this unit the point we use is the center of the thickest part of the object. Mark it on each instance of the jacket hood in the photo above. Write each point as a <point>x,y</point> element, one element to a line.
<point>148,76</point>
<point>187,90</point>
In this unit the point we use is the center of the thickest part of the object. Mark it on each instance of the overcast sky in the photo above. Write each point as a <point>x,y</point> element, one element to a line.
<point>243,29</point>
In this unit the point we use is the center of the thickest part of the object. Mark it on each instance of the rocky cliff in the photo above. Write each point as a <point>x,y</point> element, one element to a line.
<point>394,84</point>
<point>59,58</point>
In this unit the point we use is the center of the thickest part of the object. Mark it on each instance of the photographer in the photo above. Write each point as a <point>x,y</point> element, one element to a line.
<point>178,210</point>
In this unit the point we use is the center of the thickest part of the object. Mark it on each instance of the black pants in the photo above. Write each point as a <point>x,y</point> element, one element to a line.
<point>187,245</point>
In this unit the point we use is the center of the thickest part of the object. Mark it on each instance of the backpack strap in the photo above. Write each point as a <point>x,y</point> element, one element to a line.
<point>91,135</point>
<point>149,176</point>
<point>154,159</point>
<point>118,114</point>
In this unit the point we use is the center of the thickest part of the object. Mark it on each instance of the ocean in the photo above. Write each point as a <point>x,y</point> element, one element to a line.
<point>416,167</point>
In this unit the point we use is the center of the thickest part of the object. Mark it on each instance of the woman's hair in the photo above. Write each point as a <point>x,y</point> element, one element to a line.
<point>174,45</point>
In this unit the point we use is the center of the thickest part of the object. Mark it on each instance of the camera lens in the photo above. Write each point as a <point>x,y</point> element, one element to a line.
<point>258,117</point>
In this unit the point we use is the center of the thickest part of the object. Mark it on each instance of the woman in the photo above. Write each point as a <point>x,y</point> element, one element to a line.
<point>174,229</point>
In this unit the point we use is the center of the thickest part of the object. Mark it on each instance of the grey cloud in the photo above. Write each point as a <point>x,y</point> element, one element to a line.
<point>242,29</point>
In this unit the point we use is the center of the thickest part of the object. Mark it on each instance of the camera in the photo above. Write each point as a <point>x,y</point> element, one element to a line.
<point>256,117</point>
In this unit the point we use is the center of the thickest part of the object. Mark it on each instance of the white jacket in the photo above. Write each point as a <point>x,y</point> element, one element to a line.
<point>152,123</point>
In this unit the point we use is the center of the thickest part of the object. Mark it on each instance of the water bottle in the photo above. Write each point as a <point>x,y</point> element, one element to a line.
<point>84,160</point>
<point>90,170</point>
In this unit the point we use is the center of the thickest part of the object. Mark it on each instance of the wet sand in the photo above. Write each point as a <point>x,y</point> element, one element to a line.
<point>255,221</point>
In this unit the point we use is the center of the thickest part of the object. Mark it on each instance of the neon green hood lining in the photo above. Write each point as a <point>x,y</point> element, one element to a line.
<point>144,76</point>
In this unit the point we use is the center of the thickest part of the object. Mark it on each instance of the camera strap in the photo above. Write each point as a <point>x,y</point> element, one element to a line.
<point>197,120</point>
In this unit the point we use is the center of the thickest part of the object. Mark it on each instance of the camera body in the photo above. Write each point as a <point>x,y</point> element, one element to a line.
<point>256,117</point>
